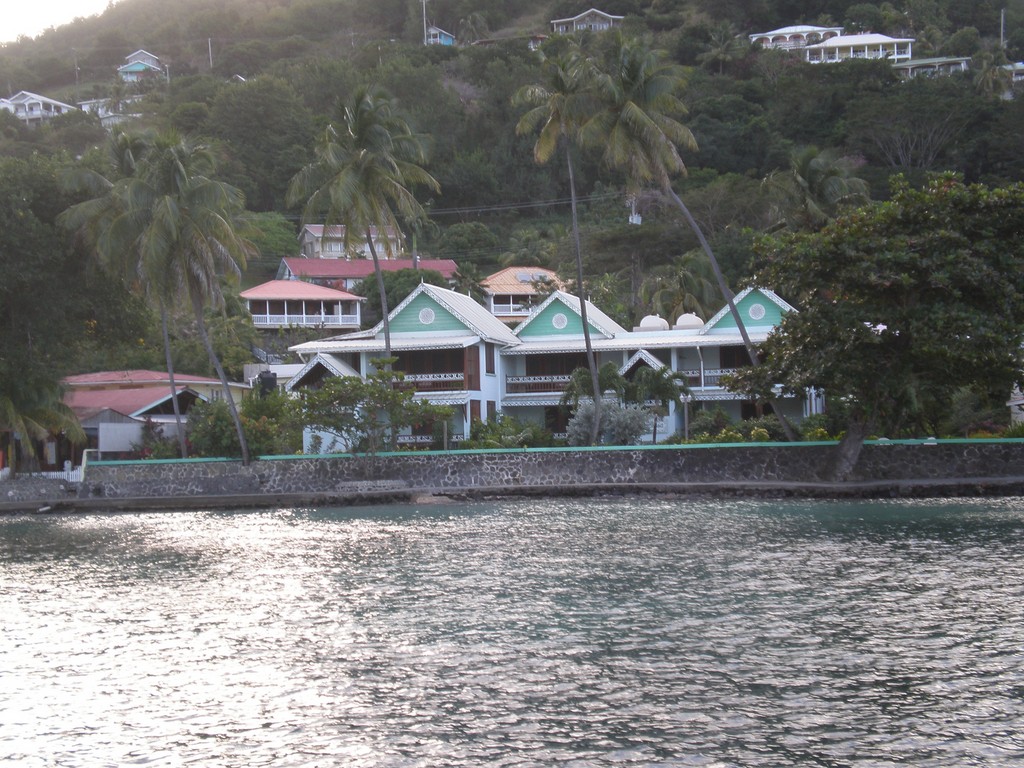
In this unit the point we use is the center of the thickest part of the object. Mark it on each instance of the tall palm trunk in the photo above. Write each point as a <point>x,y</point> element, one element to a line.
<point>595,427</point>
<point>383,297</point>
<point>724,288</point>
<point>197,307</point>
<point>182,444</point>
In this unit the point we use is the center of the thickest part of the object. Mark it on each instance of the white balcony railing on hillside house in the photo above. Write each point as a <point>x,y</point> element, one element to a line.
<point>305,321</point>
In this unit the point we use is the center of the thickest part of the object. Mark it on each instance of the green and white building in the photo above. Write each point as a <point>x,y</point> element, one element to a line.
<point>454,352</point>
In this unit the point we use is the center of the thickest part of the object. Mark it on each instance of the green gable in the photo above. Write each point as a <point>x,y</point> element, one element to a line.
<point>550,323</point>
<point>424,315</point>
<point>755,308</point>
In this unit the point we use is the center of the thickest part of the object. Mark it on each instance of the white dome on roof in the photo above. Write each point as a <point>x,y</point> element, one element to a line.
<point>653,323</point>
<point>687,322</point>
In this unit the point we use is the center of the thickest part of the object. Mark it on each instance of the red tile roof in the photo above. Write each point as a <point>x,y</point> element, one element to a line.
<point>357,269</point>
<point>85,402</point>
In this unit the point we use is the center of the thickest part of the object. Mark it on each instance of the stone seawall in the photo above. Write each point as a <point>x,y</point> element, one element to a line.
<point>537,470</point>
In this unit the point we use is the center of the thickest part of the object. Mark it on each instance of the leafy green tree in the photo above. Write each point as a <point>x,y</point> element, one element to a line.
<point>469,241</point>
<point>267,129</point>
<point>913,127</point>
<point>368,413</point>
<point>898,313</point>
<point>362,178</point>
<point>561,104</point>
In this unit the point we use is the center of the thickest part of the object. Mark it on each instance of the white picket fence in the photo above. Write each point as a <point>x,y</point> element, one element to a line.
<point>73,475</point>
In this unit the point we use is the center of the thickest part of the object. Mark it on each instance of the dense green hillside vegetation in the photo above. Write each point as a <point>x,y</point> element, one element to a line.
<point>259,80</point>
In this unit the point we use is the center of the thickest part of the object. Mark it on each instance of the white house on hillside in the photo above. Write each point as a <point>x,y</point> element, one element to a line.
<point>864,46</point>
<point>319,242</point>
<point>795,37</point>
<point>33,109</point>
<point>593,20</point>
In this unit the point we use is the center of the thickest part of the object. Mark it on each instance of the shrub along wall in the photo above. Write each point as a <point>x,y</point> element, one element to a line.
<point>554,470</point>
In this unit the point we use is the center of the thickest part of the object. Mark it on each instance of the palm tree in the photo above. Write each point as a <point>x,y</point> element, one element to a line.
<point>641,135</point>
<point>816,185</point>
<point>179,230</point>
<point>193,238</point>
<point>685,285</point>
<point>724,47</point>
<point>34,410</point>
<point>362,175</point>
<point>561,105</point>
<point>661,385</point>
<point>112,233</point>
<point>580,387</point>
<point>991,79</point>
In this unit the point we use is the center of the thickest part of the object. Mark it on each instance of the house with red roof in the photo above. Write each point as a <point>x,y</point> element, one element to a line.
<point>296,303</point>
<point>342,274</point>
<point>114,406</point>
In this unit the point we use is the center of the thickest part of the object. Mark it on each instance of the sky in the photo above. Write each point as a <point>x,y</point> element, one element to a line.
<point>30,17</point>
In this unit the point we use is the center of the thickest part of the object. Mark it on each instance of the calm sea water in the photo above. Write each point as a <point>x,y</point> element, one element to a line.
<point>542,632</point>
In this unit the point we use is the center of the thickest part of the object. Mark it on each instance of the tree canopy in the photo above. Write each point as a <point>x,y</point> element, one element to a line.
<point>902,303</point>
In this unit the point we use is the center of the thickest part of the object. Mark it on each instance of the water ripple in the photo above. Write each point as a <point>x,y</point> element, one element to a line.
<point>618,633</point>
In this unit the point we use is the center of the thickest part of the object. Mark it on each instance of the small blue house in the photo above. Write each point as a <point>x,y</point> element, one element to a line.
<point>437,36</point>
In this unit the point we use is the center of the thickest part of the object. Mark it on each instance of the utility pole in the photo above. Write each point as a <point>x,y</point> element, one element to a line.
<point>209,45</point>
<point>424,22</point>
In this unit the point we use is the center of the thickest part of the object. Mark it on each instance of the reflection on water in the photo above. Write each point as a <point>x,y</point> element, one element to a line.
<point>617,632</point>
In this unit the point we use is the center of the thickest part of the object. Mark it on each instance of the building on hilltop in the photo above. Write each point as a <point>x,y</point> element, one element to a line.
<point>795,37</point>
<point>863,46</point>
<point>139,66</point>
<point>511,293</point>
<point>344,274</point>
<point>33,109</point>
<point>437,36</point>
<point>296,303</point>
<point>592,20</point>
<point>317,241</point>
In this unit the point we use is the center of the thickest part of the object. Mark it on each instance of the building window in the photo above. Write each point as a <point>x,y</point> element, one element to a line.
<point>474,410</point>
<point>489,357</point>
<point>492,410</point>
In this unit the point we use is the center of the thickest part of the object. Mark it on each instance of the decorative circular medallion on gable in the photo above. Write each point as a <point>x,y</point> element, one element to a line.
<point>756,311</point>
<point>426,316</point>
<point>559,321</point>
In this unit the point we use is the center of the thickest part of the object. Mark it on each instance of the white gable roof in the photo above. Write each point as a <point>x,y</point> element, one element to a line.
<point>595,317</point>
<point>773,297</point>
<point>476,319</point>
